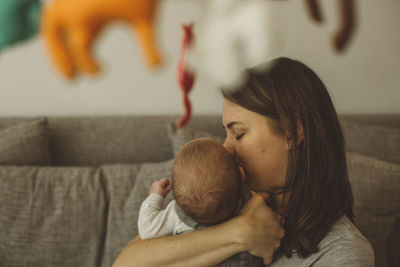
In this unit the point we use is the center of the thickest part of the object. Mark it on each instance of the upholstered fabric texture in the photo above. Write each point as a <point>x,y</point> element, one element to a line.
<point>376,188</point>
<point>25,143</point>
<point>96,141</point>
<point>379,141</point>
<point>53,216</point>
<point>93,141</point>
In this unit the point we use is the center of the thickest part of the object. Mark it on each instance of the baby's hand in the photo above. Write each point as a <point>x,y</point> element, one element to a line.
<point>161,187</point>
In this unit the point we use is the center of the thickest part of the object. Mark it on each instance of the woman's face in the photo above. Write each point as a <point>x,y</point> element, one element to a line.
<point>257,148</point>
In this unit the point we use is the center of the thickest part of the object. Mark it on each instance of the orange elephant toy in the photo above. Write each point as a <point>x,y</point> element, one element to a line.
<point>70,27</point>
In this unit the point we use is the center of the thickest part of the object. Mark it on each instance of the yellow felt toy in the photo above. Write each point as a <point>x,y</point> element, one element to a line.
<point>70,27</point>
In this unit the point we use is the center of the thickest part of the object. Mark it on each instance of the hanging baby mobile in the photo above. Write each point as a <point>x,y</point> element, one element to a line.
<point>237,34</point>
<point>233,35</point>
<point>70,28</point>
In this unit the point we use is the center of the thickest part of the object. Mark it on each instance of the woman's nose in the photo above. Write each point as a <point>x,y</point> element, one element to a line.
<point>229,147</point>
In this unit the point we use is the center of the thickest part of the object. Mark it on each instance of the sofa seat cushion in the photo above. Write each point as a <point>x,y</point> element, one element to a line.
<point>25,143</point>
<point>58,216</point>
<point>376,188</point>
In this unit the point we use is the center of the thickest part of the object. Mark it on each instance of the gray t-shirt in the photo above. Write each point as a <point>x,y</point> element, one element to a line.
<point>343,246</point>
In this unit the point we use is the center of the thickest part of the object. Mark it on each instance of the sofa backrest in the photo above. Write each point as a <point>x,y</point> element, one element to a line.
<point>92,141</point>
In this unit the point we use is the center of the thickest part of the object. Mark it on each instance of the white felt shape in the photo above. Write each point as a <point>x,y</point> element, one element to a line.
<point>234,35</point>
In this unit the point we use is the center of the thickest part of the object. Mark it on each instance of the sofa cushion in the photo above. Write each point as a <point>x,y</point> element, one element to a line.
<point>118,183</point>
<point>376,187</point>
<point>379,141</point>
<point>94,141</point>
<point>180,137</point>
<point>53,216</point>
<point>25,143</point>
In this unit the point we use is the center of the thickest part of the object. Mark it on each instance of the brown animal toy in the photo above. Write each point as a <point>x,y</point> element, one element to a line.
<point>345,31</point>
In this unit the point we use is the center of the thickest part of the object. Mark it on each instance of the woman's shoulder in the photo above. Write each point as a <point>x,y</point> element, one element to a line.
<point>344,245</point>
<point>343,229</point>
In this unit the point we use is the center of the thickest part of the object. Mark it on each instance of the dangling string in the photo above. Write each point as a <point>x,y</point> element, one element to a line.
<point>185,76</point>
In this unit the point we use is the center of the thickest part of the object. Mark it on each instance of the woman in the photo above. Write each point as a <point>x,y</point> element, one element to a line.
<point>283,130</point>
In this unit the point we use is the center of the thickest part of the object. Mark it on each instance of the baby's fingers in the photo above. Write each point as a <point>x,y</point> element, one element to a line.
<point>168,186</point>
<point>164,182</point>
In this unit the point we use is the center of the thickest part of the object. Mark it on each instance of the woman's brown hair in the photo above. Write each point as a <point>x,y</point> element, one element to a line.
<point>317,191</point>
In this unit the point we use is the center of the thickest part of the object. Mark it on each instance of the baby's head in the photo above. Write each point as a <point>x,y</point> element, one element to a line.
<point>206,182</point>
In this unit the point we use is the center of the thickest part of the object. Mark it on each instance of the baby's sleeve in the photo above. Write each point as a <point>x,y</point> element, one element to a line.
<point>154,222</point>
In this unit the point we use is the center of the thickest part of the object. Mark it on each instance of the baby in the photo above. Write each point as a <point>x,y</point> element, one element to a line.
<point>207,186</point>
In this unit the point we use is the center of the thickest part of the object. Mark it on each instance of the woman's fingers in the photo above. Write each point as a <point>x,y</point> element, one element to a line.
<point>264,230</point>
<point>267,260</point>
<point>266,197</point>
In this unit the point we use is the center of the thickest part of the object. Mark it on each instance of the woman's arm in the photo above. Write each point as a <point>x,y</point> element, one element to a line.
<point>206,247</point>
<point>256,229</point>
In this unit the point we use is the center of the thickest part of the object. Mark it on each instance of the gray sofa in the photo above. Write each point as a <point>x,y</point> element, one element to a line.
<point>70,187</point>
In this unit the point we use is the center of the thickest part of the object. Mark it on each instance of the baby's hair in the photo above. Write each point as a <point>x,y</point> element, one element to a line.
<point>206,181</point>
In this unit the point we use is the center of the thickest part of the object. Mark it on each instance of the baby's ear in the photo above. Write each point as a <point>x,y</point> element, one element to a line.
<point>242,174</point>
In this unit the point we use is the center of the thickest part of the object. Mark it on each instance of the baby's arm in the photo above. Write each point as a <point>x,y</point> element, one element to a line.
<point>161,187</point>
<point>154,222</point>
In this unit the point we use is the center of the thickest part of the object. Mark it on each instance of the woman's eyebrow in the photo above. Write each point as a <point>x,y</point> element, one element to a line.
<point>231,124</point>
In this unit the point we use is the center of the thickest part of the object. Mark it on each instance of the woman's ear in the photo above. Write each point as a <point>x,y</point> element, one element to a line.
<point>300,135</point>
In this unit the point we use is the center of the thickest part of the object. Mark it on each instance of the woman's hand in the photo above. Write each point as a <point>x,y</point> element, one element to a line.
<point>261,229</point>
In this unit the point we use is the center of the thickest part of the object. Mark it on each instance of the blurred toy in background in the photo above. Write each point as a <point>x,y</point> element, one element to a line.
<point>70,28</point>
<point>347,27</point>
<point>237,34</point>
<point>19,20</point>
<point>185,75</point>
<point>234,35</point>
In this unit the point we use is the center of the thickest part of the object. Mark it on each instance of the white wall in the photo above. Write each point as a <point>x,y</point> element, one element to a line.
<point>365,79</point>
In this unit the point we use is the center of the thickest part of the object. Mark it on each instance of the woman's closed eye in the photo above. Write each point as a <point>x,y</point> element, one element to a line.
<point>239,136</point>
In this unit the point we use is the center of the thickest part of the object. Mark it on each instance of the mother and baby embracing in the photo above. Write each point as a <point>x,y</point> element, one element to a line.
<point>277,187</point>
